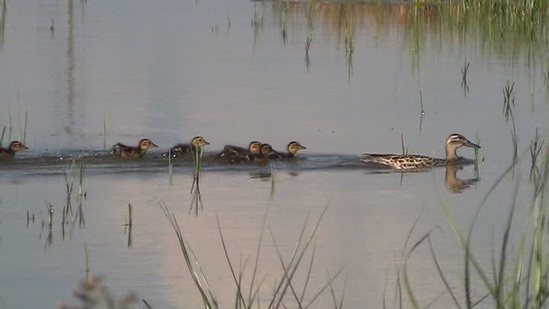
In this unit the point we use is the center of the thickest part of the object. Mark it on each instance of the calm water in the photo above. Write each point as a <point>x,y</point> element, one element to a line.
<point>236,71</point>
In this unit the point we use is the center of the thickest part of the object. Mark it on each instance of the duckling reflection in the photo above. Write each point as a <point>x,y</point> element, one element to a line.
<point>123,151</point>
<point>9,153</point>
<point>455,184</point>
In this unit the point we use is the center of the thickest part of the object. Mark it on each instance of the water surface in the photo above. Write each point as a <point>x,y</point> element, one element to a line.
<point>236,71</point>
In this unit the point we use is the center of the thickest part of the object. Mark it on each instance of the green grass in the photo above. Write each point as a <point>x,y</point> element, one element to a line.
<point>518,274</point>
<point>286,294</point>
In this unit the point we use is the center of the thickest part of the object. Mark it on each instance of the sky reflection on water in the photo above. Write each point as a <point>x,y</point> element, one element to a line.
<point>234,72</point>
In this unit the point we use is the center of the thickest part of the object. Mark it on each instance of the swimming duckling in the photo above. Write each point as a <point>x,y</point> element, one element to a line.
<point>124,151</point>
<point>15,146</point>
<point>235,154</point>
<point>266,152</point>
<point>292,148</point>
<point>409,162</point>
<point>181,149</point>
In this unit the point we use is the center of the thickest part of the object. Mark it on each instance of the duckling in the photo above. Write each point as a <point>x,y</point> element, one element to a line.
<point>124,151</point>
<point>266,152</point>
<point>292,148</point>
<point>181,149</point>
<point>409,162</point>
<point>235,154</point>
<point>15,146</point>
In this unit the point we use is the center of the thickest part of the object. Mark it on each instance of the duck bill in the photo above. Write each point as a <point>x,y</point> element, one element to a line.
<point>302,147</point>
<point>153,145</point>
<point>472,145</point>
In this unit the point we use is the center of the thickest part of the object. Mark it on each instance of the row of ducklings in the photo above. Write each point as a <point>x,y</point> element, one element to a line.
<point>260,152</point>
<point>256,151</point>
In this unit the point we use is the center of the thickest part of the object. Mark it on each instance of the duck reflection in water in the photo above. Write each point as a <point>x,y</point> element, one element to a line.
<point>455,184</point>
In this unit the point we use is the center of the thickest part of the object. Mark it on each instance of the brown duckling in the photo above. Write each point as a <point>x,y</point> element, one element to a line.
<point>181,149</point>
<point>235,154</point>
<point>266,152</point>
<point>292,148</point>
<point>124,151</point>
<point>15,146</point>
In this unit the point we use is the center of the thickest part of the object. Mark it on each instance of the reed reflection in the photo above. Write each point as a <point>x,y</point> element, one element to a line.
<point>49,224</point>
<point>128,226</point>
<point>69,72</point>
<point>3,16</point>
<point>480,26</point>
<point>196,148</point>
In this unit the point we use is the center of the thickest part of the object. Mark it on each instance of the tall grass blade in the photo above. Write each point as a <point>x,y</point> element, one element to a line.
<point>239,291</point>
<point>251,296</point>
<point>2,136</point>
<point>295,261</point>
<point>197,275</point>
<point>104,133</point>
<point>441,274</point>
<point>25,127</point>
<point>3,16</point>
<point>339,305</point>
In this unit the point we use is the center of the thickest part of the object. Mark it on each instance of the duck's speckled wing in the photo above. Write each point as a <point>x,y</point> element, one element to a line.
<point>403,162</point>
